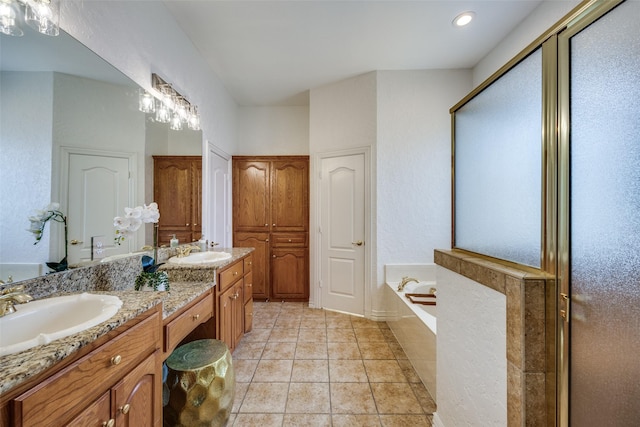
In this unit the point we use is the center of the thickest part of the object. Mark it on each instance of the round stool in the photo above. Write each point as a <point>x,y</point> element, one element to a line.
<point>201,384</point>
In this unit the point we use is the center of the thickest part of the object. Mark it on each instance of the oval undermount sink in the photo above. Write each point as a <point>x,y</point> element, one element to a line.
<point>200,258</point>
<point>42,321</point>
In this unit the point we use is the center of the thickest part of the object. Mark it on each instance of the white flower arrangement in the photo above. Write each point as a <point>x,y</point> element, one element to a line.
<point>133,218</point>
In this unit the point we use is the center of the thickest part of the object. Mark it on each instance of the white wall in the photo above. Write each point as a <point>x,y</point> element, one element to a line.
<point>541,19</point>
<point>404,117</point>
<point>342,115</point>
<point>414,164</point>
<point>472,353</point>
<point>282,130</point>
<point>141,37</point>
<point>25,173</point>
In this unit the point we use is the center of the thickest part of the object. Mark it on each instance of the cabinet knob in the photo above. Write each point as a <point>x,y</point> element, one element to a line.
<point>249,285</point>
<point>289,240</point>
<point>109,423</point>
<point>274,256</point>
<point>125,409</point>
<point>266,225</point>
<point>274,225</point>
<point>235,273</point>
<point>195,316</point>
<point>115,360</point>
<point>187,224</point>
<point>266,240</point>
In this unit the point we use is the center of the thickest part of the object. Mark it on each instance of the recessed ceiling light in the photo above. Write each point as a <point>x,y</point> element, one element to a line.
<point>463,19</point>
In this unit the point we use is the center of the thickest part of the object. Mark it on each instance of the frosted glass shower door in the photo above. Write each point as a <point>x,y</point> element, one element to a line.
<point>604,221</point>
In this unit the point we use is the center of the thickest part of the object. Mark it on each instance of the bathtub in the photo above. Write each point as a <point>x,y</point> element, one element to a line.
<point>415,326</point>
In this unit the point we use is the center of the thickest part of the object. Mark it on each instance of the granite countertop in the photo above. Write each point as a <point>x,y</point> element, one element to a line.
<point>187,282</point>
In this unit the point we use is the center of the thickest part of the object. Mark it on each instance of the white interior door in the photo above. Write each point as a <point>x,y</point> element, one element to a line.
<point>98,190</point>
<point>342,227</point>
<point>218,198</point>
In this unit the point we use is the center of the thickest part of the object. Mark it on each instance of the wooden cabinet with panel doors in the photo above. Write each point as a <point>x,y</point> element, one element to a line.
<point>177,189</point>
<point>234,301</point>
<point>117,384</point>
<point>271,214</point>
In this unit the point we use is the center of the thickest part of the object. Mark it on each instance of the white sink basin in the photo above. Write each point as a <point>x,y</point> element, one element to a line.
<point>42,321</point>
<point>200,258</point>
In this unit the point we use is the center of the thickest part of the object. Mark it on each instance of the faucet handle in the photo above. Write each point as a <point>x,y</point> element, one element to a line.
<point>11,290</point>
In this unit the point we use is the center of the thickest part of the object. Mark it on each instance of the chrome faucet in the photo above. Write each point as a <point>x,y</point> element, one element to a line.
<point>184,251</point>
<point>11,296</point>
<point>404,282</point>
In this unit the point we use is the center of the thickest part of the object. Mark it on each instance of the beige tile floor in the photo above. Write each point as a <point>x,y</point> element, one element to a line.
<point>309,367</point>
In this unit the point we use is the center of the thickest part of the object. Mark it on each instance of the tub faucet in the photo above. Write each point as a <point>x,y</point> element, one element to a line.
<point>11,296</point>
<point>404,282</point>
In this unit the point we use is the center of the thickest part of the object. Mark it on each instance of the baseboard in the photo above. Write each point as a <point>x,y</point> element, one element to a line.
<point>380,315</point>
<point>437,422</point>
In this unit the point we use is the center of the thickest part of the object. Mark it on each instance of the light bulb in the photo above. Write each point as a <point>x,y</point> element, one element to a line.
<point>8,19</point>
<point>146,102</point>
<point>176,122</point>
<point>163,114</point>
<point>463,19</point>
<point>43,15</point>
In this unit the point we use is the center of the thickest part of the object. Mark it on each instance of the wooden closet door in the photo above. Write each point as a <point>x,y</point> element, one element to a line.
<point>251,199</point>
<point>172,179</point>
<point>290,195</point>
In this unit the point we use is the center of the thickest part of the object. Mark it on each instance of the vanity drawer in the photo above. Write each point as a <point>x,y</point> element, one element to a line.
<point>248,264</point>
<point>283,240</point>
<point>68,391</point>
<point>177,329</point>
<point>248,286</point>
<point>230,275</point>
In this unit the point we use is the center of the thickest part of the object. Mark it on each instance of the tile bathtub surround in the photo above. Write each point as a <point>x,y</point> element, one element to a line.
<point>302,366</point>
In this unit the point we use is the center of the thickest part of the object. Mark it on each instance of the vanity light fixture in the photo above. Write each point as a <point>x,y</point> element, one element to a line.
<point>41,15</point>
<point>463,19</point>
<point>169,106</point>
<point>146,102</point>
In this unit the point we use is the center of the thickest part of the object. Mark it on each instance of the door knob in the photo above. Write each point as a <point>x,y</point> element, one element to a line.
<point>75,242</point>
<point>358,243</point>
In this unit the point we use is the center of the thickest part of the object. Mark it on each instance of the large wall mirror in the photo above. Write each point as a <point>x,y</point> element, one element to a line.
<point>67,117</point>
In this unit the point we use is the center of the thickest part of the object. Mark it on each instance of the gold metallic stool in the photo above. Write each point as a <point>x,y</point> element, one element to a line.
<point>201,385</point>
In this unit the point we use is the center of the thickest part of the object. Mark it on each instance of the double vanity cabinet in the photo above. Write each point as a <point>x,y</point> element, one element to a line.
<point>115,379</point>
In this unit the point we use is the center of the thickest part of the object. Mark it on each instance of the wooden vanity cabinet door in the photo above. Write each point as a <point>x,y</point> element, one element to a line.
<point>259,261</point>
<point>248,316</point>
<point>96,414</point>
<point>138,396</point>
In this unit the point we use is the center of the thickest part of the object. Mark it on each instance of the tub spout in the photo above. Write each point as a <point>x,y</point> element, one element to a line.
<point>404,282</point>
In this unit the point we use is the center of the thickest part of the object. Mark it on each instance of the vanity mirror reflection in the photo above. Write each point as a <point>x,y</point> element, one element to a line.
<point>70,121</point>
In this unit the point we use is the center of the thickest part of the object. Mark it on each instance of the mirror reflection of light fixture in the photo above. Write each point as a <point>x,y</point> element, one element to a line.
<point>170,107</point>
<point>41,15</point>
<point>176,122</point>
<point>8,12</point>
<point>194,118</point>
<point>147,103</point>
<point>163,114</point>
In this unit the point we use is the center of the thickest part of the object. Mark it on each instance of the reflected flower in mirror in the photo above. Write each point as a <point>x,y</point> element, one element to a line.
<point>38,222</point>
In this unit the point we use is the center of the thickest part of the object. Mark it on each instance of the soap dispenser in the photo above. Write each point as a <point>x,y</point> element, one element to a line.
<point>174,242</point>
<point>203,244</point>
